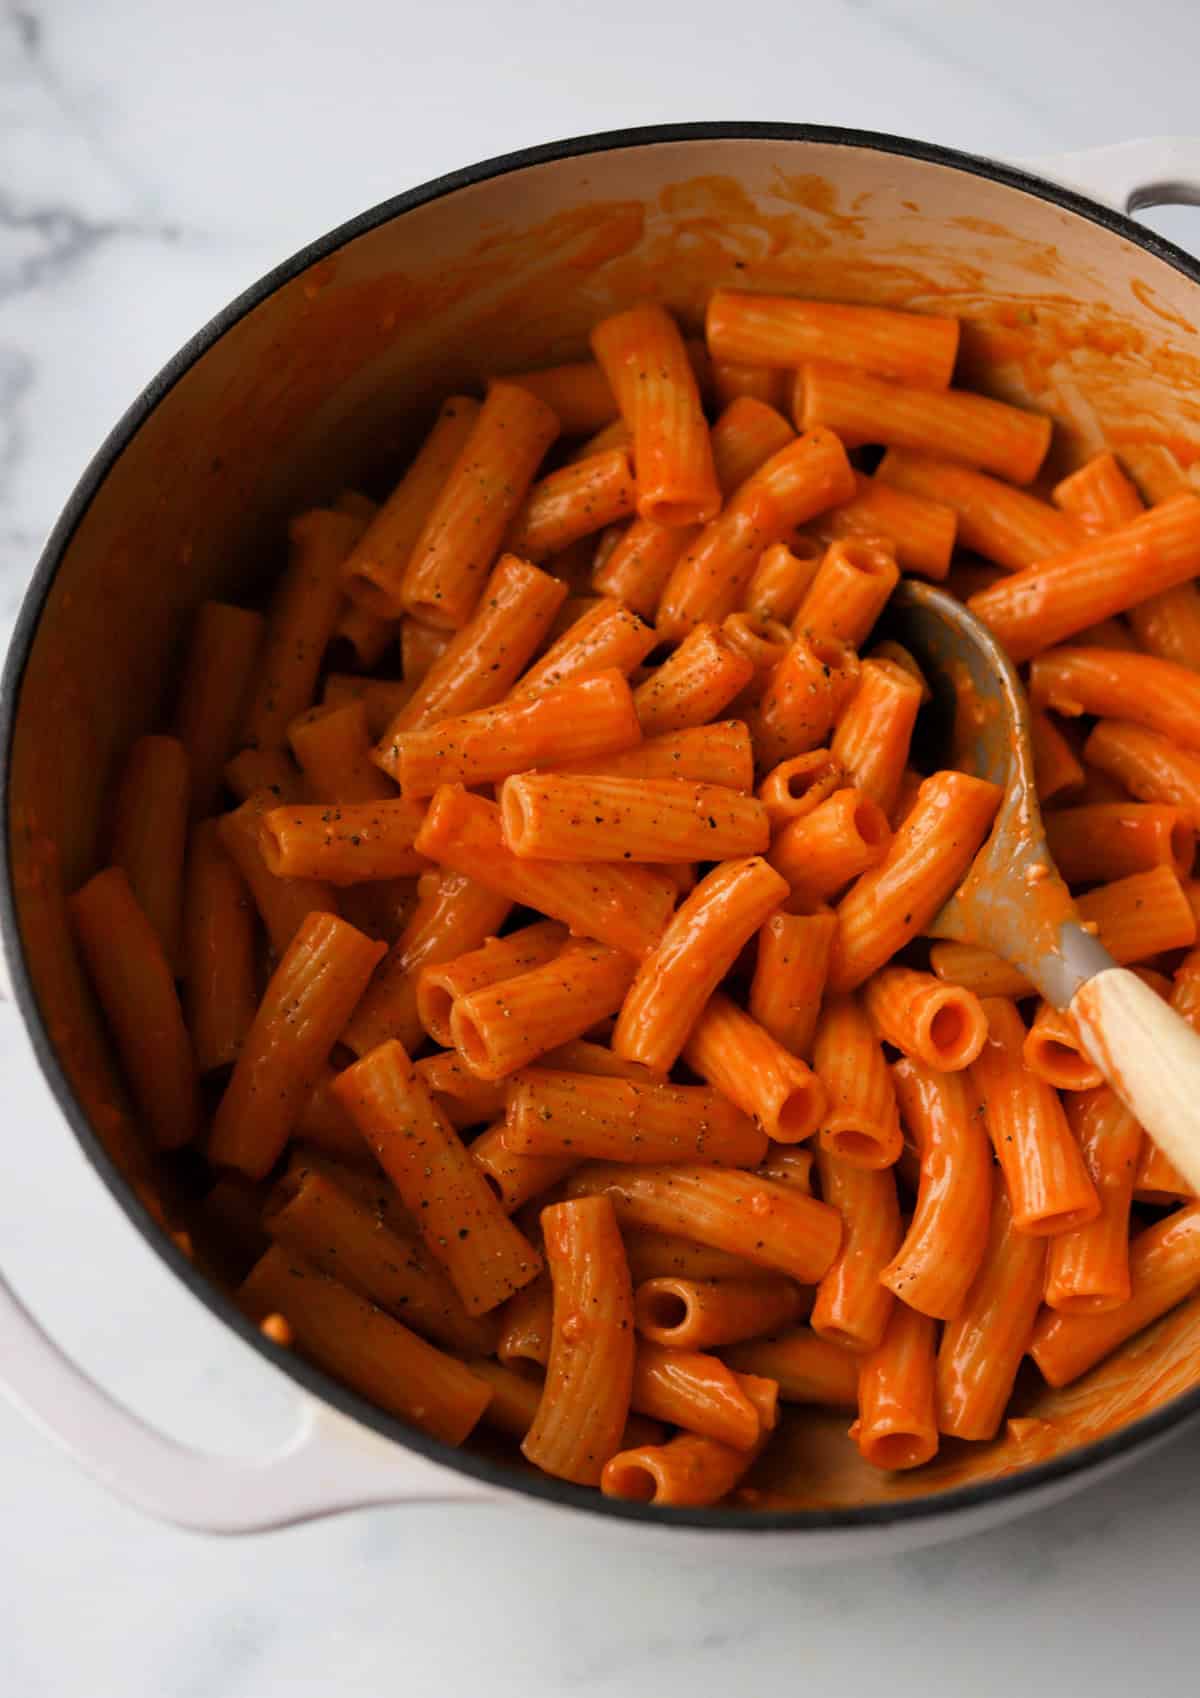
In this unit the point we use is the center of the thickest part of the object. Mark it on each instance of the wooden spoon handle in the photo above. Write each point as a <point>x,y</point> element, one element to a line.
<point>1151,1058</point>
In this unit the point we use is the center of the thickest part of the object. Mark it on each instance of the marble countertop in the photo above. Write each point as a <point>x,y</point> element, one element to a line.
<point>154,159</point>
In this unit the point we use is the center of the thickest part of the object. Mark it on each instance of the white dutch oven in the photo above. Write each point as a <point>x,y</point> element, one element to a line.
<point>311,380</point>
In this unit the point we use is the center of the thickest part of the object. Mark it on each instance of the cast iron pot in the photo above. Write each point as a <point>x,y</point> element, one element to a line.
<point>319,376</point>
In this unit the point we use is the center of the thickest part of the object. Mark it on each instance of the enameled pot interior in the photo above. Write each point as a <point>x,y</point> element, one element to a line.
<point>327,379</point>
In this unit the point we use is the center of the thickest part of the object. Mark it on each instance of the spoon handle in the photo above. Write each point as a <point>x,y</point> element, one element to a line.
<point>1151,1058</point>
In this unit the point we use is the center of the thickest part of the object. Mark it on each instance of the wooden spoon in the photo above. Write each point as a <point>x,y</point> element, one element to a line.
<point>1014,901</point>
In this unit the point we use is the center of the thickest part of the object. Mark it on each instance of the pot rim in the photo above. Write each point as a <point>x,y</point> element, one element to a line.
<point>541,1488</point>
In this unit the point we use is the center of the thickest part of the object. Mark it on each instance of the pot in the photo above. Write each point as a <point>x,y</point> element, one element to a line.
<point>317,377</point>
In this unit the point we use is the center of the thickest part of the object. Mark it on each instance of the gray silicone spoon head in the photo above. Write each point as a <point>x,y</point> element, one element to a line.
<point>1013,901</point>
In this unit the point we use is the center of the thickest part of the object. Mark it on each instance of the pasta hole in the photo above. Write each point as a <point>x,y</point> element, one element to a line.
<point>839,1336</point>
<point>796,1116</point>
<point>947,1028</point>
<point>1049,1226</point>
<point>800,783</point>
<point>665,1311</point>
<point>435,1008</point>
<point>1063,1065</point>
<point>1183,847</point>
<point>428,612</point>
<point>514,816</point>
<point>469,1038</point>
<point>898,1450</point>
<point>673,513</point>
<point>1060,1054</point>
<point>271,846</point>
<point>856,1146</point>
<point>630,1480</point>
<point>870,823</point>
<point>868,556</point>
<point>366,594</point>
<point>1098,1303</point>
<point>284,1191</point>
<point>828,651</point>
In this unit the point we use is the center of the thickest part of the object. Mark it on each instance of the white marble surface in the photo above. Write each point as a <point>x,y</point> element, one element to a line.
<point>155,158</point>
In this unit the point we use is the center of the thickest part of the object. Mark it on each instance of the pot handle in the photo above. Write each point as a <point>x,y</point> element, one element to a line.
<point>327,1464</point>
<point>1129,176</point>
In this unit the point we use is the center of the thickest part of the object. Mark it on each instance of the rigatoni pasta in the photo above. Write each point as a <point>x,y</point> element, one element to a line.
<point>556,979</point>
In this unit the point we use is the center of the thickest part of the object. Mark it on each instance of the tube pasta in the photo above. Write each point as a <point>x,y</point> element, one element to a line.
<point>461,1221</point>
<point>300,622</point>
<point>796,786</point>
<point>806,1368</point>
<point>573,502</point>
<point>1087,1271</point>
<point>941,1026</point>
<point>897,1419</point>
<point>699,946</point>
<point>589,1376</point>
<point>693,684</point>
<point>860,1124</point>
<point>852,1303</point>
<point>516,1178</point>
<point>624,907</point>
<point>1047,1181</point>
<point>454,914</point>
<point>822,851</point>
<point>137,992</point>
<point>717,753</point>
<point>894,901</point>
<point>217,676</point>
<point>586,1117</point>
<point>218,951</point>
<point>849,592</point>
<point>642,355</point>
<point>583,719</point>
<point>312,992</point>
<point>778,330</point>
<point>789,976</point>
<point>744,1062</point>
<point>873,734</point>
<point>482,493</point>
<point>351,844</point>
<point>922,532</point>
<point>1099,494</point>
<point>1164,1268</point>
<point>1104,575</point>
<point>690,1389</point>
<point>150,817</point>
<point>696,1314</point>
<point>782,577</point>
<point>345,1237</point>
<point>606,637</point>
<point>373,572</point>
<point>972,429</point>
<point>744,438</point>
<point>504,1026</point>
<point>804,696</point>
<point>574,817</point>
<point>1004,525</point>
<point>770,1225</point>
<point>442,984</point>
<point>983,1343</point>
<point>484,659</point>
<point>935,1266</point>
<point>1052,1050</point>
<point>809,475</point>
<point>332,746</point>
